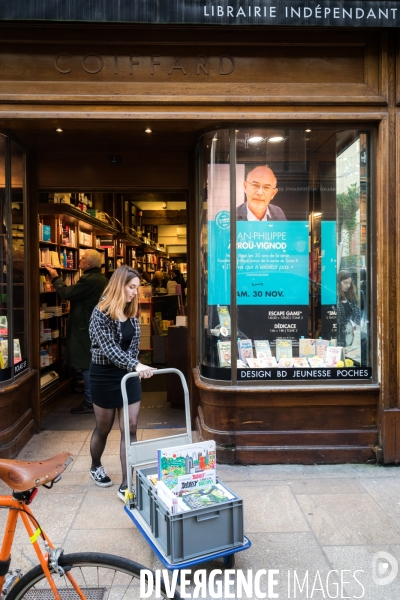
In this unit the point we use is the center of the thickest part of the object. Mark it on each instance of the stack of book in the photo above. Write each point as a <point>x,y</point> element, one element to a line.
<point>186,477</point>
<point>145,334</point>
<point>54,310</point>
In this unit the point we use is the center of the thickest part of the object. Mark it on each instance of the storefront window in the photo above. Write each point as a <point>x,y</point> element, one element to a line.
<point>13,313</point>
<point>296,286</point>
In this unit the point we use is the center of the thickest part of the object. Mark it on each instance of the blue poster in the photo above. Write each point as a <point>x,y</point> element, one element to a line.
<point>328,262</point>
<point>272,263</point>
<point>219,256</point>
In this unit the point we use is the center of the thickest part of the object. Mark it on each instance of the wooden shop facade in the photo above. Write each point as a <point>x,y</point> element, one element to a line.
<point>294,319</point>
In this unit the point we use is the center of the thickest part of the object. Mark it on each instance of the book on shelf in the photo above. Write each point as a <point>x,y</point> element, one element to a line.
<point>144,318</point>
<point>17,351</point>
<point>245,350</point>
<point>224,316</point>
<point>316,361</point>
<point>262,349</point>
<point>70,278</point>
<point>157,325</point>
<point>145,294</point>
<point>46,233</point>
<point>68,237</point>
<point>224,353</point>
<point>86,239</point>
<point>285,362</point>
<point>54,259</point>
<point>45,284</point>
<point>320,347</point>
<point>306,347</point>
<point>283,349</point>
<point>241,364</point>
<point>4,352</point>
<point>44,256</point>
<point>186,459</point>
<point>300,362</point>
<point>262,363</point>
<point>334,354</point>
<point>3,325</point>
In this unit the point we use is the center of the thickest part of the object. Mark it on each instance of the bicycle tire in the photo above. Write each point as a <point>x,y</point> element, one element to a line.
<point>103,576</point>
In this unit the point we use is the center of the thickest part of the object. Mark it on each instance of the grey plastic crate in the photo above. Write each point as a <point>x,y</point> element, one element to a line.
<point>189,534</point>
<point>145,492</point>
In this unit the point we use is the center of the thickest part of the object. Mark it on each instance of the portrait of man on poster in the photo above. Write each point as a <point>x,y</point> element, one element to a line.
<point>260,187</point>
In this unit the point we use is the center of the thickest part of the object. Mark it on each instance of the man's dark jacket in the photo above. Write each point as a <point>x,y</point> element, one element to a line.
<point>83,296</point>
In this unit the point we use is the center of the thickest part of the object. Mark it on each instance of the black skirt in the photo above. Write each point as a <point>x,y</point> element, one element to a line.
<point>105,386</point>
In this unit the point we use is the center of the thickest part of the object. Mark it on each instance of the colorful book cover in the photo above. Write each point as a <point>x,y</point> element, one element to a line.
<point>245,350</point>
<point>333,355</point>
<point>4,352</point>
<point>144,317</point>
<point>316,361</point>
<point>241,364</point>
<point>262,349</point>
<point>262,363</point>
<point>306,347</point>
<point>283,349</point>
<point>285,362</point>
<point>46,232</point>
<point>209,496</point>
<point>224,354</point>
<point>145,294</point>
<point>300,362</point>
<point>3,325</point>
<point>320,348</point>
<point>186,459</point>
<point>224,316</point>
<point>191,481</point>
<point>17,351</point>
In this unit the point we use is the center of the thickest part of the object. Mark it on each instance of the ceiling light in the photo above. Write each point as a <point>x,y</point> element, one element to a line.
<point>255,139</point>
<point>308,130</point>
<point>59,130</point>
<point>276,139</point>
<point>148,130</point>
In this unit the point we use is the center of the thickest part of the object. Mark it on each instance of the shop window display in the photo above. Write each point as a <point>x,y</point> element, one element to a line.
<point>13,313</point>
<point>290,272</point>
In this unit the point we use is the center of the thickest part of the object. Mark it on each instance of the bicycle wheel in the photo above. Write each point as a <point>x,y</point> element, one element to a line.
<point>99,576</point>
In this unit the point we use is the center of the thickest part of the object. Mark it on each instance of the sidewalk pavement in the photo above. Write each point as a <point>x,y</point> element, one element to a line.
<point>315,524</point>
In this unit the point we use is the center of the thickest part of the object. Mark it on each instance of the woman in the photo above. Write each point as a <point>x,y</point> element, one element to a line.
<point>347,307</point>
<point>114,333</point>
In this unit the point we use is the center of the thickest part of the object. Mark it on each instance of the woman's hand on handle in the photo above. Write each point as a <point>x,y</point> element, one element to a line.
<point>144,370</point>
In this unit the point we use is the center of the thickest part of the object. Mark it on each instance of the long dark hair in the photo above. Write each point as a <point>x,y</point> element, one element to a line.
<point>351,293</point>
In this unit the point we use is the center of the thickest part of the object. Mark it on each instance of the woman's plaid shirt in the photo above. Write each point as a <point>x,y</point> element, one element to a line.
<point>106,338</point>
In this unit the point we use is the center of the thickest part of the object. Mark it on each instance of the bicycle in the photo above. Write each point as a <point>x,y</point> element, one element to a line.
<point>59,576</point>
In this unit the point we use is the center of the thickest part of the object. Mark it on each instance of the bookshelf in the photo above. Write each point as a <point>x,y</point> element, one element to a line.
<point>65,232</point>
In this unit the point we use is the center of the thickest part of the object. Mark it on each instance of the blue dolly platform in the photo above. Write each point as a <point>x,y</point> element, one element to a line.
<point>144,453</point>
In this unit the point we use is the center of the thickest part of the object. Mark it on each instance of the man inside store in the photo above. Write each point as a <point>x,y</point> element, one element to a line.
<point>83,297</point>
<point>180,280</point>
<point>260,188</point>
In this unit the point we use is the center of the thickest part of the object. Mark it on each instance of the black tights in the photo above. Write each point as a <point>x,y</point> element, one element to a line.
<point>104,422</point>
